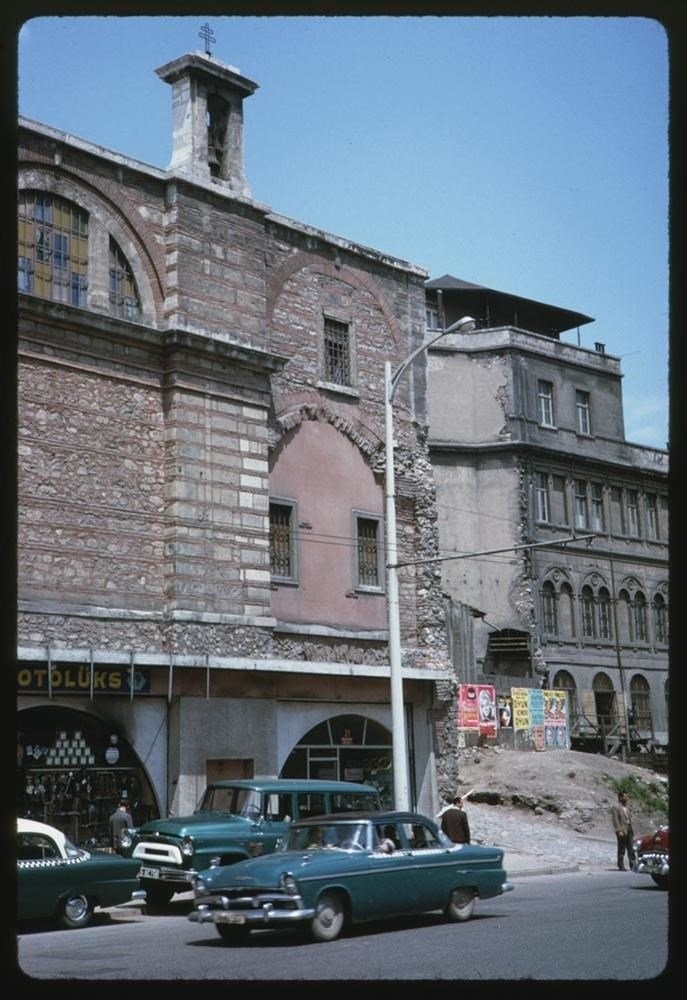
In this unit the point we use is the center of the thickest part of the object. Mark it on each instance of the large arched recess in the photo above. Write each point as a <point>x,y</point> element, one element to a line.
<point>345,748</point>
<point>72,768</point>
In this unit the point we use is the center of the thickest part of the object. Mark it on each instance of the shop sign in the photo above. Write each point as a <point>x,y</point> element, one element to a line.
<point>76,679</point>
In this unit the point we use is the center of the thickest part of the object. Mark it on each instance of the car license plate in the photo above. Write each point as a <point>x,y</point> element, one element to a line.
<point>149,873</point>
<point>233,918</point>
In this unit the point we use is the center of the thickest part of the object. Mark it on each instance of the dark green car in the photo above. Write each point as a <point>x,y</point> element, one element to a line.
<point>339,870</point>
<point>59,882</point>
<point>235,820</point>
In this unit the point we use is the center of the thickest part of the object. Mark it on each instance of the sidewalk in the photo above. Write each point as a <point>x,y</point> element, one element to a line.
<point>519,864</point>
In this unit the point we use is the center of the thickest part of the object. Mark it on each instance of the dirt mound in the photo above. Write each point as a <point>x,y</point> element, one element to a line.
<point>577,789</point>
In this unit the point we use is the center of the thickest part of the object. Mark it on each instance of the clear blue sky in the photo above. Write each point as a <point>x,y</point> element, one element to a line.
<point>528,154</point>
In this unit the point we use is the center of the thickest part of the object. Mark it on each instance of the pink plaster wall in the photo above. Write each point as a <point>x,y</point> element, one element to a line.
<point>327,475</point>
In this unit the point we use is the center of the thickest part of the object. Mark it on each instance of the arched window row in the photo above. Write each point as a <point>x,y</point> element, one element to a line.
<point>607,709</point>
<point>54,260</point>
<point>591,616</point>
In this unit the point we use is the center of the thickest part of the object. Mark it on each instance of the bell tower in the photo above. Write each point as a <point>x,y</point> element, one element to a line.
<point>207,120</point>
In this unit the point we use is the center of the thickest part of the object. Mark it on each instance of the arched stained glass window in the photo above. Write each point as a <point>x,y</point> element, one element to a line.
<point>53,248</point>
<point>124,299</point>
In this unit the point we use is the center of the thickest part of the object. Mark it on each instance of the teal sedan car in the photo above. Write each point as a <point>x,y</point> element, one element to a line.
<point>334,871</point>
<point>63,884</point>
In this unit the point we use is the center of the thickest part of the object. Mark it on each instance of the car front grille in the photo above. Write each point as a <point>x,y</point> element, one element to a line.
<point>157,853</point>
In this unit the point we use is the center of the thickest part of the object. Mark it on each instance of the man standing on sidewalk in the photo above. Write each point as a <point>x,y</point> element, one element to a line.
<point>622,824</point>
<point>454,822</point>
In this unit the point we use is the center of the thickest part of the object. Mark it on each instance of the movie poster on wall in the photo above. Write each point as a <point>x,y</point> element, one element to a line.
<point>540,719</point>
<point>477,708</point>
<point>556,735</point>
<point>505,709</point>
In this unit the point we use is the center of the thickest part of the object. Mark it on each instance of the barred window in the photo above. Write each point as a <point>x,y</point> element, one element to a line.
<point>588,623</point>
<point>549,610</point>
<point>639,616</point>
<point>282,540</point>
<point>604,614</point>
<point>660,620</point>
<point>369,551</point>
<point>53,248</point>
<point>124,300</point>
<point>337,359</point>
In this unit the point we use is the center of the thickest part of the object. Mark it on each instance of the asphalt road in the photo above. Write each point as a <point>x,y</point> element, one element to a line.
<point>593,925</point>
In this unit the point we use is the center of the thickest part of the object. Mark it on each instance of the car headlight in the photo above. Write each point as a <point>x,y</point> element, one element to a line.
<point>288,883</point>
<point>187,846</point>
<point>126,838</point>
<point>199,887</point>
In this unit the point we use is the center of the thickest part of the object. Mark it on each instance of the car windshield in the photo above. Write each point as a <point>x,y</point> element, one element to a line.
<point>240,801</point>
<point>327,836</point>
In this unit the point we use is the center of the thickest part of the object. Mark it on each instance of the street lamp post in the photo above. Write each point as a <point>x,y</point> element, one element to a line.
<point>398,727</point>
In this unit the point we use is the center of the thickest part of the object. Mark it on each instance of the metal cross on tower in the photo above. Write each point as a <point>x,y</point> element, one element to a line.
<point>208,37</point>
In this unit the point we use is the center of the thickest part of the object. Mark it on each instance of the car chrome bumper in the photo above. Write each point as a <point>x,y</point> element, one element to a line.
<point>652,864</point>
<point>265,916</point>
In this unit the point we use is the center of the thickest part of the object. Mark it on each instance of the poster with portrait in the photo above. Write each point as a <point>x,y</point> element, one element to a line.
<point>477,708</point>
<point>540,719</point>
<point>505,710</point>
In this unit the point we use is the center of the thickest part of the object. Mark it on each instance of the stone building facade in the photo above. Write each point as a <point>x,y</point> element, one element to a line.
<point>201,571</point>
<point>562,522</point>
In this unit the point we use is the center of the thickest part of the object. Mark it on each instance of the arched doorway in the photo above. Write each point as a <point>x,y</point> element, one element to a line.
<point>345,748</point>
<point>72,769</point>
<point>604,700</point>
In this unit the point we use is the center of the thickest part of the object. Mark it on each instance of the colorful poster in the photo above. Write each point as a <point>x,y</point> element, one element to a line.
<point>505,707</point>
<point>477,708</point>
<point>521,708</point>
<point>540,718</point>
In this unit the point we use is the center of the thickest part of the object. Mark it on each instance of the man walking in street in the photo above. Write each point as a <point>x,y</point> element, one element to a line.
<point>119,820</point>
<point>454,822</point>
<point>622,824</point>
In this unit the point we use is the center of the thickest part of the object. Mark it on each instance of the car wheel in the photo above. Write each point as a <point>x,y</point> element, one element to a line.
<point>661,881</point>
<point>328,921</point>
<point>157,896</point>
<point>76,911</point>
<point>232,935</point>
<point>461,904</point>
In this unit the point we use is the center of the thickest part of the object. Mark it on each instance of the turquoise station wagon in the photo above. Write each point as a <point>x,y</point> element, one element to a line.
<point>339,870</point>
<point>235,820</point>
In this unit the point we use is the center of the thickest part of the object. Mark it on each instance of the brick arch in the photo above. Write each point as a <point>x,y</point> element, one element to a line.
<point>302,260</point>
<point>364,439</point>
<point>115,206</point>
